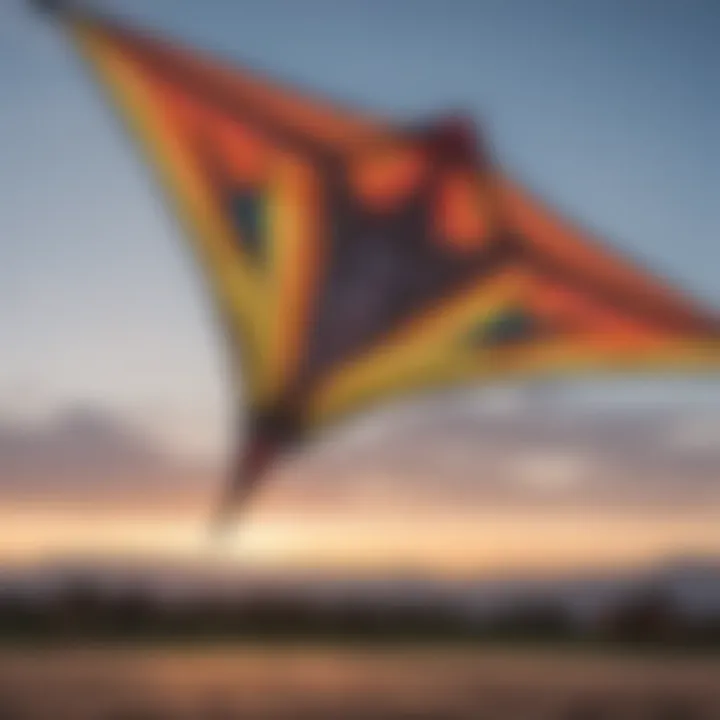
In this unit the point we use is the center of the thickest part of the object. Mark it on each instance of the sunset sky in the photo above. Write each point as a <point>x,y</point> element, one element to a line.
<point>114,405</point>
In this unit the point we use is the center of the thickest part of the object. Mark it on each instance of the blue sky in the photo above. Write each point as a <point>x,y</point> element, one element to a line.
<point>610,110</point>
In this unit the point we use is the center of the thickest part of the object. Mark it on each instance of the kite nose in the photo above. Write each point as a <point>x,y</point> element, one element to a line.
<point>454,139</point>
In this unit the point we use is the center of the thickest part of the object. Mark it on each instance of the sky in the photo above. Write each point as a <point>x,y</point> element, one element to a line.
<point>109,358</point>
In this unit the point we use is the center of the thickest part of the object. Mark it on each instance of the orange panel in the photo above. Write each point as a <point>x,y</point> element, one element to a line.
<point>319,119</point>
<point>555,237</point>
<point>460,216</point>
<point>384,179</point>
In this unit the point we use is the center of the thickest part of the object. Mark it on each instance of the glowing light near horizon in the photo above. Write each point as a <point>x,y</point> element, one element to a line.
<point>435,543</point>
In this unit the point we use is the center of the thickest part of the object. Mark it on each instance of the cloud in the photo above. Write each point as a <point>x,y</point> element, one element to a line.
<point>551,471</point>
<point>79,438</point>
<point>87,451</point>
<point>524,454</point>
<point>695,434</point>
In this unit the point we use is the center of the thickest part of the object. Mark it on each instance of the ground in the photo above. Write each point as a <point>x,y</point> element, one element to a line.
<point>337,683</point>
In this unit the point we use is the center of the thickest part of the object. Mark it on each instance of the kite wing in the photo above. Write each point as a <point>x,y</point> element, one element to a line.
<point>351,260</point>
<point>241,160</point>
<point>537,299</point>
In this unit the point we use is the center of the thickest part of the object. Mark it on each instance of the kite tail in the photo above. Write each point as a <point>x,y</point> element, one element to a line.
<point>269,435</point>
<point>249,468</point>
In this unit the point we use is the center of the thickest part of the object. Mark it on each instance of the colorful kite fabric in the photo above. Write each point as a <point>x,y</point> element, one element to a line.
<point>353,260</point>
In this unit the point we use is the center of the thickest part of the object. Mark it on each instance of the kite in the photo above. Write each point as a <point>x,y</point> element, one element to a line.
<point>353,259</point>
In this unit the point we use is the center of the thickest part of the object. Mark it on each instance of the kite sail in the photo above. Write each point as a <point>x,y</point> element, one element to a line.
<point>353,259</point>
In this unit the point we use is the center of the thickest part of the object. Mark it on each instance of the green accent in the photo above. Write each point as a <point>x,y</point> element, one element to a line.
<point>514,325</point>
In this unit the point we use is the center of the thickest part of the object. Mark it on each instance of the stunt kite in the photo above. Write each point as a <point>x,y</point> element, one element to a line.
<point>353,259</point>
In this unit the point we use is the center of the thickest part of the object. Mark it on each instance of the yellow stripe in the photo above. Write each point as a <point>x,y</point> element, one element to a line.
<point>243,296</point>
<point>293,244</point>
<point>417,356</point>
<point>541,363</point>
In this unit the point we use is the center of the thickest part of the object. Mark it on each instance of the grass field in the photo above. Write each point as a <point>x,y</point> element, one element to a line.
<point>335,683</point>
